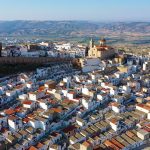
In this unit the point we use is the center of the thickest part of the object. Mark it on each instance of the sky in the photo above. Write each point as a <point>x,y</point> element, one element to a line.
<point>93,10</point>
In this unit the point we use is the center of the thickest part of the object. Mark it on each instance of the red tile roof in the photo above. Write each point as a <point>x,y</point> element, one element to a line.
<point>9,111</point>
<point>58,110</point>
<point>27,102</point>
<point>39,145</point>
<point>146,129</point>
<point>12,117</point>
<point>113,120</point>
<point>32,148</point>
<point>118,144</point>
<point>144,106</point>
<point>26,120</point>
<point>130,134</point>
<point>109,144</point>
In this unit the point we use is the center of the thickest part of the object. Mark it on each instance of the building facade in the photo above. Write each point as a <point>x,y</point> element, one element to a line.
<point>100,51</point>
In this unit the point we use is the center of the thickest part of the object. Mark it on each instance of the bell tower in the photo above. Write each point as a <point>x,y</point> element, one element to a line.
<point>91,43</point>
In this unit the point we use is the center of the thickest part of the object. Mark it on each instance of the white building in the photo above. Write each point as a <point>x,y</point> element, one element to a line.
<point>66,46</point>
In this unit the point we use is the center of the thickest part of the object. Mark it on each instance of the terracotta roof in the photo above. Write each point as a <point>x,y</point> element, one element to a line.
<point>19,86</point>
<point>144,106</point>
<point>146,129</point>
<point>115,104</point>
<point>72,92</point>
<point>68,101</point>
<point>103,48</point>
<point>33,148</point>
<point>39,145</point>
<point>30,116</point>
<point>113,120</point>
<point>9,111</point>
<point>107,143</point>
<point>41,88</point>
<point>26,120</point>
<point>130,134</point>
<point>12,117</point>
<point>27,102</point>
<point>118,144</point>
<point>87,143</point>
<point>17,109</point>
<point>111,145</point>
<point>58,110</point>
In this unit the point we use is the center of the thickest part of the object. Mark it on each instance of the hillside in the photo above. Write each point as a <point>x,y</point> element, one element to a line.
<point>122,32</point>
<point>71,28</point>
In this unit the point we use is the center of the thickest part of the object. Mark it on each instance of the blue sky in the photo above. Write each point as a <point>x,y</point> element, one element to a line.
<point>97,10</point>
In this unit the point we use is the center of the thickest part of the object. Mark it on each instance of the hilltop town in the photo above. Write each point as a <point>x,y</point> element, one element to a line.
<point>104,103</point>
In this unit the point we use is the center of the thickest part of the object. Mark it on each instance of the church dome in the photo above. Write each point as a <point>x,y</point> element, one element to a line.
<point>102,42</point>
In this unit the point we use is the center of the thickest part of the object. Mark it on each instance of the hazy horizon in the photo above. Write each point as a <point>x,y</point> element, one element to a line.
<point>96,21</point>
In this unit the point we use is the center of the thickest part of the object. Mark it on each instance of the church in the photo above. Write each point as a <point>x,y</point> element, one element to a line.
<point>101,51</point>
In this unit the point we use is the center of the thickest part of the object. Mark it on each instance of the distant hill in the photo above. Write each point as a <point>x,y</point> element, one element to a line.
<point>72,28</point>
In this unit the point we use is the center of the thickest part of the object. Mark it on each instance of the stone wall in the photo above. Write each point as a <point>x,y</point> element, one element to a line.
<point>29,60</point>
